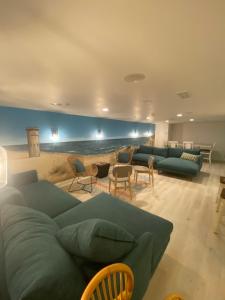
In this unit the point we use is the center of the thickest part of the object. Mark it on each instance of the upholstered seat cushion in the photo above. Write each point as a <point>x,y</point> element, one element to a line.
<point>123,157</point>
<point>180,166</point>
<point>46,197</point>
<point>37,266</point>
<point>143,157</point>
<point>107,207</point>
<point>145,149</point>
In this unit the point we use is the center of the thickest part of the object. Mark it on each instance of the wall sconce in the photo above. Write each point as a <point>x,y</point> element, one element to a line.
<point>99,135</point>
<point>148,133</point>
<point>55,134</point>
<point>3,167</point>
<point>134,134</point>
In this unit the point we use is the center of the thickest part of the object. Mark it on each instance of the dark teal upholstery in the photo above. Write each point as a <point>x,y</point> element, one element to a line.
<point>168,160</point>
<point>37,267</point>
<point>151,233</point>
<point>79,166</point>
<point>105,206</point>
<point>175,152</point>
<point>96,240</point>
<point>23,178</point>
<point>47,198</point>
<point>145,149</point>
<point>179,166</point>
<point>160,151</point>
<point>141,157</point>
<point>123,157</point>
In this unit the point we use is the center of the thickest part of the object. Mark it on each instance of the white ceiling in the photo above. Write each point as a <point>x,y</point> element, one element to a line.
<point>78,52</point>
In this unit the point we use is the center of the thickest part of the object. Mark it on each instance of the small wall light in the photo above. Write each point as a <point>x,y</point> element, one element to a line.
<point>3,167</point>
<point>134,134</point>
<point>55,134</point>
<point>99,134</point>
<point>148,133</point>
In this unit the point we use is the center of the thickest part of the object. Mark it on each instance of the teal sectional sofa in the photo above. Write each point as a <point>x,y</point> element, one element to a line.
<point>169,160</point>
<point>35,266</point>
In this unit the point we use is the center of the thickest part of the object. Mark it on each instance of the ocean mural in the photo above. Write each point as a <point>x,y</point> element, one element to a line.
<point>60,132</point>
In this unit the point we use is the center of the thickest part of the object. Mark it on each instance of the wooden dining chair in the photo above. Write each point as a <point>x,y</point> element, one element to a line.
<point>207,154</point>
<point>121,177</point>
<point>145,170</point>
<point>114,282</point>
<point>188,145</point>
<point>172,144</point>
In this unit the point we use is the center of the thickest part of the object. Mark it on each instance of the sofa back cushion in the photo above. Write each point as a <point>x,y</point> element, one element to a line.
<point>37,267</point>
<point>145,149</point>
<point>175,152</point>
<point>195,151</point>
<point>96,240</point>
<point>123,157</point>
<point>160,151</point>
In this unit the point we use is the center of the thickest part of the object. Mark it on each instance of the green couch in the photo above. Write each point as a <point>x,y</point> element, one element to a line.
<point>169,160</point>
<point>56,209</point>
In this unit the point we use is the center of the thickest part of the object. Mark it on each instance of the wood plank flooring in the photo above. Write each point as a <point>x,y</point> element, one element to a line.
<point>194,262</point>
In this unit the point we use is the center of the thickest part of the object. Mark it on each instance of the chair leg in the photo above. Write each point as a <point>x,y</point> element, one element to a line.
<point>129,185</point>
<point>110,185</point>
<point>136,177</point>
<point>69,189</point>
<point>125,185</point>
<point>216,231</point>
<point>218,194</point>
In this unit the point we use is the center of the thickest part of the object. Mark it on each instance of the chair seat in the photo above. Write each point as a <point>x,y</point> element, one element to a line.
<point>141,169</point>
<point>112,178</point>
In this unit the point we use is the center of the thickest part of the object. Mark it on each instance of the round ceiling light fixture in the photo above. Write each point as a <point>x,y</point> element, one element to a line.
<point>191,120</point>
<point>105,109</point>
<point>134,77</point>
<point>167,121</point>
<point>179,115</point>
<point>148,118</point>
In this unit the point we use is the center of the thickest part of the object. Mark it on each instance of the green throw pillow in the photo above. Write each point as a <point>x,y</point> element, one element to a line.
<point>97,240</point>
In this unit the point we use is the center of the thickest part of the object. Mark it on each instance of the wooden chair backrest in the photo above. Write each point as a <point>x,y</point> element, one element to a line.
<point>172,144</point>
<point>122,171</point>
<point>188,145</point>
<point>114,282</point>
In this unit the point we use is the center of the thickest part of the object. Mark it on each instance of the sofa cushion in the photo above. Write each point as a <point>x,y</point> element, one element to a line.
<point>79,166</point>
<point>37,267</point>
<point>107,207</point>
<point>160,151</point>
<point>195,151</point>
<point>96,240</point>
<point>123,157</point>
<point>145,149</point>
<point>23,178</point>
<point>157,159</point>
<point>143,157</point>
<point>175,152</point>
<point>189,156</point>
<point>10,195</point>
<point>46,197</point>
<point>180,166</point>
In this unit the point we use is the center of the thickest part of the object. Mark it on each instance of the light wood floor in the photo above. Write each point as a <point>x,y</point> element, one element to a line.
<point>194,262</point>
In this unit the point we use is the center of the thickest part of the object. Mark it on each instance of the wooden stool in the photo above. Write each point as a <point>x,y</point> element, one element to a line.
<point>218,199</point>
<point>222,208</point>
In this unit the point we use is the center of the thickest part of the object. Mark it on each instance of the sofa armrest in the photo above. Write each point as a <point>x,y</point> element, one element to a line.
<point>200,161</point>
<point>19,179</point>
<point>140,261</point>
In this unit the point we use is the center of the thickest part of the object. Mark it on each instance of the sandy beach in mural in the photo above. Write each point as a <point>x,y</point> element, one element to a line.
<point>51,166</point>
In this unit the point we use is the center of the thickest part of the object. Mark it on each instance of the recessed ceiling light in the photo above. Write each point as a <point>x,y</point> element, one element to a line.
<point>105,109</point>
<point>54,103</point>
<point>191,120</point>
<point>167,121</point>
<point>147,118</point>
<point>134,78</point>
<point>179,115</point>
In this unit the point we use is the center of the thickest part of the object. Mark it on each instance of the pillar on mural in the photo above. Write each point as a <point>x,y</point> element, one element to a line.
<point>33,142</point>
<point>161,134</point>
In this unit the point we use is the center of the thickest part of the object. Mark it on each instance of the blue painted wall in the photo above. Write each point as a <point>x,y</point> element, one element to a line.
<point>14,121</point>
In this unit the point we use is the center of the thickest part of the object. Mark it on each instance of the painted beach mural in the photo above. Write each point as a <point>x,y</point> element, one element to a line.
<point>43,140</point>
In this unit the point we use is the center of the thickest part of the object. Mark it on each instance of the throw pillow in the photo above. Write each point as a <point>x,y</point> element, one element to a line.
<point>79,166</point>
<point>123,157</point>
<point>96,240</point>
<point>189,156</point>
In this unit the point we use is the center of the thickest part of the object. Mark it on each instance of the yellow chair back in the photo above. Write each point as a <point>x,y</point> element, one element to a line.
<point>114,282</point>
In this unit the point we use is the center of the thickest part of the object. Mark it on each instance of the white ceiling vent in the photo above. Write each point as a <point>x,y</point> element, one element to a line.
<point>135,77</point>
<point>183,94</point>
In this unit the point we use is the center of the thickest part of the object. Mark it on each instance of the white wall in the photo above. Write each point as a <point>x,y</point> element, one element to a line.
<point>201,133</point>
<point>161,134</point>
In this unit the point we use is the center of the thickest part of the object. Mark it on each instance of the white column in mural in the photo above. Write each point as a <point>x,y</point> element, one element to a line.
<point>33,142</point>
<point>161,134</point>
